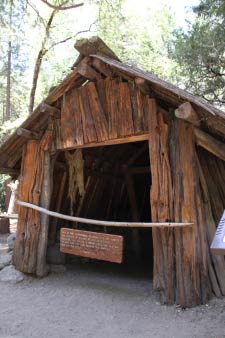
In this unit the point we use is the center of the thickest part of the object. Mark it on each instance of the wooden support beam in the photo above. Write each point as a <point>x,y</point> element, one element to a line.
<point>45,199</point>
<point>134,208</point>
<point>51,110</point>
<point>135,138</point>
<point>88,72</point>
<point>28,134</point>
<point>102,67</point>
<point>14,158</point>
<point>209,143</point>
<point>94,45</point>
<point>143,85</point>
<point>105,223</point>
<point>186,112</point>
<point>10,171</point>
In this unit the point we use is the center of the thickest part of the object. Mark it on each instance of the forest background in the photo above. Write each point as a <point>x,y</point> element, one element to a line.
<point>186,48</point>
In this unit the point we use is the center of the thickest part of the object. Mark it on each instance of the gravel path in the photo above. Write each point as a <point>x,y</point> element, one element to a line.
<point>98,300</point>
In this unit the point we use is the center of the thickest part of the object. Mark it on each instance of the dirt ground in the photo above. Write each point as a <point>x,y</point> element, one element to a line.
<point>99,300</point>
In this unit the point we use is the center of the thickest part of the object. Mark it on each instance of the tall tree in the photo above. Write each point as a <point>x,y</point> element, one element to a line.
<point>201,52</point>
<point>9,63</point>
<point>57,6</point>
<point>11,60</point>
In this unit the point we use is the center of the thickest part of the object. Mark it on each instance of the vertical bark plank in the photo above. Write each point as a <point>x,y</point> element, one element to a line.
<point>101,124</point>
<point>89,130</point>
<point>161,205</point>
<point>125,116</point>
<point>67,125</point>
<point>71,123</point>
<point>79,137</point>
<point>29,223</point>
<point>191,265</point>
<point>102,87</point>
<point>113,109</point>
<point>58,134</point>
<point>138,109</point>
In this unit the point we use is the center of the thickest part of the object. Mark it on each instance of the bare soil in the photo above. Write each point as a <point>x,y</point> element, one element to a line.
<point>104,301</point>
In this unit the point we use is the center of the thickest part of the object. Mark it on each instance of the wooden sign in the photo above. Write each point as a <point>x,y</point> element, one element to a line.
<point>218,243</point>
<point>92,244</point>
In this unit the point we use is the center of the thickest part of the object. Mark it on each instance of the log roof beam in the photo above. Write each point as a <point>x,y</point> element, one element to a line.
<point>28,134</point>
<point>186,112</point>
<point>88,72</point>
<point>143,85</point>
<point>209,143</point>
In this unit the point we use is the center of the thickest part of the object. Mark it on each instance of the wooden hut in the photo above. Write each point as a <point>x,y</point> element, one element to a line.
<point>114,143</point>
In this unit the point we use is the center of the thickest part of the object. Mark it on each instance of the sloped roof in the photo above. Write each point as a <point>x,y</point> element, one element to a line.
<point>168,96</point>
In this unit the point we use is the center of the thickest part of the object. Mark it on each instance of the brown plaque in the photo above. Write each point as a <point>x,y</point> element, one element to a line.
<point>92,244</point>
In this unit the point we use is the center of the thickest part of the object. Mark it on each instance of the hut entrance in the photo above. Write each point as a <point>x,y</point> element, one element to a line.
<point>117,184</point>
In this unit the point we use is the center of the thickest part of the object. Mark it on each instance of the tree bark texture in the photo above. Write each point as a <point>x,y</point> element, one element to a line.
<point>180,255</point>
<point>35,187</point>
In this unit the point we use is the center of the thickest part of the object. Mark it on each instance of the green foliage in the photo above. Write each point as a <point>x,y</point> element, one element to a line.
<point>201,52</point>
<point>143,42</point>
<point>3,178</point>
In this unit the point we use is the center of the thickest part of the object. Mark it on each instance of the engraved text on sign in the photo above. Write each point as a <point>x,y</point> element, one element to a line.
<point>92,244</point>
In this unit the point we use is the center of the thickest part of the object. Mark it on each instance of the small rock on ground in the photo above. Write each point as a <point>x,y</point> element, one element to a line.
<point>10,274</point>
<point>5,260</point>
<point>11,241</point>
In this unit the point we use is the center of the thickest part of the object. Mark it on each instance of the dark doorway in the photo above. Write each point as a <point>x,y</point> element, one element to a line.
<point>117,184</point>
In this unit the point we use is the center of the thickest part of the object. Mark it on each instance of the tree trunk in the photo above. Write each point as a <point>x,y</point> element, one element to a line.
<point>9,66</point>
<point>38,62</point>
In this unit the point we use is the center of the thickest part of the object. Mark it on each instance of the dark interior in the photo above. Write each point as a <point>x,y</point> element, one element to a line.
<point>117,184</point>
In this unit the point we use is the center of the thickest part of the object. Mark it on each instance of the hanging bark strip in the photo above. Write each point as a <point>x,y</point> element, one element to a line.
<point>76,176</point>
<point>161,205</point>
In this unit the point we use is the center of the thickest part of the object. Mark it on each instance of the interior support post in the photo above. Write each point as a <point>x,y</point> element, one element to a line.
<point>134,208</point>
<point>45,199</point>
